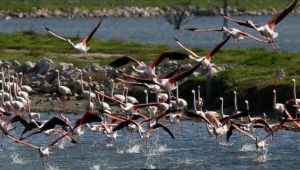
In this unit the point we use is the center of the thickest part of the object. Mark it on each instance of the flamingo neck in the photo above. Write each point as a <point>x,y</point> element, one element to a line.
<point>81,79</point>
<point>177,92</point>
<point>112,89</point>
<point>222,108</point>
<point>235,102</point>
<point>147,100</point>
<point>194,101</point>
<point>58,80</point>
<point>274,100</point>
<point>21,80</point>
<point>294,93</point>
<point>199,96</point>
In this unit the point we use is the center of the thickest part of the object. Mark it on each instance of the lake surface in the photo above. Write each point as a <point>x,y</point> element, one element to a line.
<point>192,148</point>
<point>156,30</point>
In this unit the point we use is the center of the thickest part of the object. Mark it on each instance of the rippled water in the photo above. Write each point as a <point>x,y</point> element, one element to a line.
<point>156,30</point>
<point>192,148</point>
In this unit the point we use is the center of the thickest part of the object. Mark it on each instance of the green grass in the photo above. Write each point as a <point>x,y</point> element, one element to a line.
<point>28,5</point>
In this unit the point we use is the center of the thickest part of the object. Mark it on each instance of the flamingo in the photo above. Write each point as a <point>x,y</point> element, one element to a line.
<point>207,58</point>
<point>267,30</point>
<point>222,108</point>
<point>86,93</point>
<point>82,46</point>
<point>278,107</point>
<point>17,105</point>
<point>237,34</point>
<point>199,102</point>
<point>103,105</point>
<point>89,105</point>
<point>118,97</point>
<point>25,88</point>
<point>63,90</point>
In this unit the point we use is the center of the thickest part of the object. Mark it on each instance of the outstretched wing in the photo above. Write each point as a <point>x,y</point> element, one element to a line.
<point>55,34</point>
<point>282,14</point>
<point>158,125</point>
<point>168,54</point>
<point>243,23</point>
<point>90,35</point>
<point>205,30</point>
<point>123,61</point>
<point>216,48</point>
<point>186,49</point>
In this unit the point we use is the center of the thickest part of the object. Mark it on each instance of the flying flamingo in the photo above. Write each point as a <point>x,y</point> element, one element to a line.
<point>237,34</point>
<point>207,58</point>
<point>81,47</point>
<point>267,30</point>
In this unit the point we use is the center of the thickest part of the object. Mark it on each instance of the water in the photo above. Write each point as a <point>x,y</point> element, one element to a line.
<point>192,148</point>
<point>156,30</point>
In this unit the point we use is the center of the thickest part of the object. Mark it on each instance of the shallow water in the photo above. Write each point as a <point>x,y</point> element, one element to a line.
<point>157,30</point>
<point>192,148</point>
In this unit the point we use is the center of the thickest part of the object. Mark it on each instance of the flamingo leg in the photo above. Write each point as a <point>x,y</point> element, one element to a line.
<point>1,140</point>
<point>81,148</point>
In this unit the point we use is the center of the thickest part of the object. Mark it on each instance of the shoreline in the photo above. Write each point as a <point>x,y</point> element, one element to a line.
<point>134,11</point>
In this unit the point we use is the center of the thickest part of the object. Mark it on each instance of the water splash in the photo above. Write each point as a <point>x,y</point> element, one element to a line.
<point>261,158</point>
<point>225,144</point>
<point>95,167</point>
<point>120,151</point>
<point>134,149</point>
<point>248,147</point>
<point>16,158</point>
<point>50,167</point>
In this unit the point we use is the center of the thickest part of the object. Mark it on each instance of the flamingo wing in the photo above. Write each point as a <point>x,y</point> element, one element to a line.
<point>205,30</point>
<point>253,37</point>
<point>142,80</point>
<point>263,122</point>
<point>216,48</point>
<point>282,14</point>
<point>50,124</point>
<point>55,34</point>
<point>168,54</point>
<point>123,61</point>
<point>90,35</point>
<point>158,125</point>
<point>243,23</point>
<point>186,49</point>
<point>242,131</point>
<point>184,74</point>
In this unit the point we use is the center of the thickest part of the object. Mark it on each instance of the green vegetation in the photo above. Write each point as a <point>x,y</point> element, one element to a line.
<point>28,5</point>
<point>253,74</point>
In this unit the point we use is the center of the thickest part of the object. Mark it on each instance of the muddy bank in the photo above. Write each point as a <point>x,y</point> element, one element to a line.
<point>134,11</point>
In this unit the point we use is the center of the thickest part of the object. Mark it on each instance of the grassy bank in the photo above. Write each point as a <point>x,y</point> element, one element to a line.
<point>28,5</point>
<point>253,73</point>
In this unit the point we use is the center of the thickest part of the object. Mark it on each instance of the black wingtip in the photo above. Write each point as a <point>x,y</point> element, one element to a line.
<point>176,39</point>
<point>47,28</point>
<point>190,29</point>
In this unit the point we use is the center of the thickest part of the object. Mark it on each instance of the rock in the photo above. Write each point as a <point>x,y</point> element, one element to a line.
<point>44,65</point>
<point>62,67</point>
<point>27,67</point>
